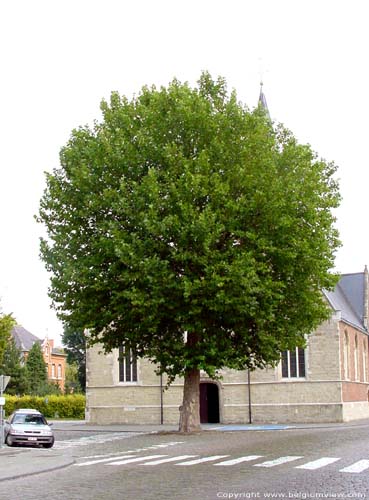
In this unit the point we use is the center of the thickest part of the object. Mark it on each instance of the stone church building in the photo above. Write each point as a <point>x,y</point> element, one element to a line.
<point>328,381</point>
<point>325,382</point>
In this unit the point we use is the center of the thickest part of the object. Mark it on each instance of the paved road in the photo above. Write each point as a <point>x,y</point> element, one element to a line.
<point>295,463</point>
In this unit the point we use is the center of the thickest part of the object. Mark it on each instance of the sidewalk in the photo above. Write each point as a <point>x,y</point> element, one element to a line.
<point>21,462</point>
<point>81,425</point>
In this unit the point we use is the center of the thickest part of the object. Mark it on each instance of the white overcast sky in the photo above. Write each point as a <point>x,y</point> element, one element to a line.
<point>60,58</point>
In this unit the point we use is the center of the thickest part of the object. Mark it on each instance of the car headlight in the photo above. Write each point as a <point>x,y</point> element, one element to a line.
<point>15,431</point>
<point>47,433</point>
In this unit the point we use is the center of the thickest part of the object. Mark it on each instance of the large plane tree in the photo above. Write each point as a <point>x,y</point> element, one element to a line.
<point>188,228</point>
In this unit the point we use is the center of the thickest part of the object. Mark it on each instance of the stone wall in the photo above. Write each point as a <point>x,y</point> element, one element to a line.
<point>355,410</point>
<point>315,398</point>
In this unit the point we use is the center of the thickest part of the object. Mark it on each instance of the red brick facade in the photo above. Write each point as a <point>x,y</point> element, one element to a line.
<point>55,361</point>
<point>354,363</point>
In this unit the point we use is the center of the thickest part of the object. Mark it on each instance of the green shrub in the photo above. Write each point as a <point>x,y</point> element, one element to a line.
<point>52,406</point>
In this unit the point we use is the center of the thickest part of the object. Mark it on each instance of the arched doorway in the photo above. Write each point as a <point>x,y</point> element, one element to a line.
<point>209,403</point>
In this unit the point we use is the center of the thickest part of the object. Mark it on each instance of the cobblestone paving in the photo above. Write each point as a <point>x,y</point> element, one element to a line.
<point>289,464</point>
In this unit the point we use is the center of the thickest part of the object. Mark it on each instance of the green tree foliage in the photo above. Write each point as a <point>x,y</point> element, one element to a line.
<point>12,366</point>
<point>188,228</point>
<point>36,369</point>
<point>36,373</point>
<point>48,388</point>
<point>6,324</point>
<point>72,384</point>
<point>75,347</point>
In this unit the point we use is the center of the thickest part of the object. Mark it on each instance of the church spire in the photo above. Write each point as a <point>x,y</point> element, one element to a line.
<point>263,102</point>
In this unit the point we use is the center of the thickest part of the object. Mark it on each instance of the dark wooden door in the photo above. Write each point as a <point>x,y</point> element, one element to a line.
<point>209,403</point>
<point>204,403</point>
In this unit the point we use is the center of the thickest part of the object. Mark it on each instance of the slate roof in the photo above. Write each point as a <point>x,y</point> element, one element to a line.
<point>348,298</point>
<point>24,339</point>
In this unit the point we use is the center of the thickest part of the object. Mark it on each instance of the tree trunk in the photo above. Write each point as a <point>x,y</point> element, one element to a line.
<point>190,411</point>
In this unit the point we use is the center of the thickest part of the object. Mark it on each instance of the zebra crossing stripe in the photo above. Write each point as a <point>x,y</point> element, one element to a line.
<point>202,460</point>
<point>170,459</point>
<point>278,461</point>
<point>133,460</point>
<point>239,460</point>
<point>102,460</point>
<point>165,445</point>
<point>317,464</point>
<point>357,467</point>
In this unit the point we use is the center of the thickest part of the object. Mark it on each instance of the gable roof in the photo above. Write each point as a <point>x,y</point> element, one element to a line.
<point>24,339</point>
<point>349,298</point>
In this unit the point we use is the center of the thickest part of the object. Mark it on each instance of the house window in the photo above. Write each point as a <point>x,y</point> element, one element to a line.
<point>346,357</point>
<point>59,371</point>
<point>127,365</point>
<point>356,359</point>
<point>365,364</point>
<point>293,363</point>
<point>53,371</point>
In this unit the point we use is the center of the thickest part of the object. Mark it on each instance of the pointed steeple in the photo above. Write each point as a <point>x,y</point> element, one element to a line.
<point>263,101</point>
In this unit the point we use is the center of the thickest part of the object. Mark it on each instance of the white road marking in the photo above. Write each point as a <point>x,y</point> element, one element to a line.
<point>317,464</point>
<point>357,467</point>
<point>239,460</point>
<point>165,445</point>
<point>278,461</point>
<point>102,460</point>
<point>105,455</point>
<point>202,460</point>
<point>170,459</point>
<point>133,460</point>
<point>94,439</point>
<point>127,458</point>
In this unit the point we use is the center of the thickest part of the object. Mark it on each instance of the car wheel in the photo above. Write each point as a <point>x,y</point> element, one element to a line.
<point>49,445</point>
<point>9,440</point>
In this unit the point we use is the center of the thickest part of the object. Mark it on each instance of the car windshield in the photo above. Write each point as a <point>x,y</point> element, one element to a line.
<point>29,419</point>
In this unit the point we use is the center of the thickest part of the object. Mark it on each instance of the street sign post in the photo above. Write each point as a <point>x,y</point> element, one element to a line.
<point>4,380</point>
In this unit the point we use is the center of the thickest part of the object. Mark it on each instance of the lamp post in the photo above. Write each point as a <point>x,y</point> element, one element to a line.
<point>161,401</point>
<point>3,383</point>
<point>249,394</point>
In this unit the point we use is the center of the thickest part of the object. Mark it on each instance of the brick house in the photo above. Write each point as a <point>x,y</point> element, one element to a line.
<point>328,381</point>
<point>54,357</point>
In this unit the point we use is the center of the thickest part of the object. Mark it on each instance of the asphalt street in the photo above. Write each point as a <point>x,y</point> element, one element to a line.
<point>116,463</point>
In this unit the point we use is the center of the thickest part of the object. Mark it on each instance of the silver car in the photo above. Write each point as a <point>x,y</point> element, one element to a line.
<point>29,427</point>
